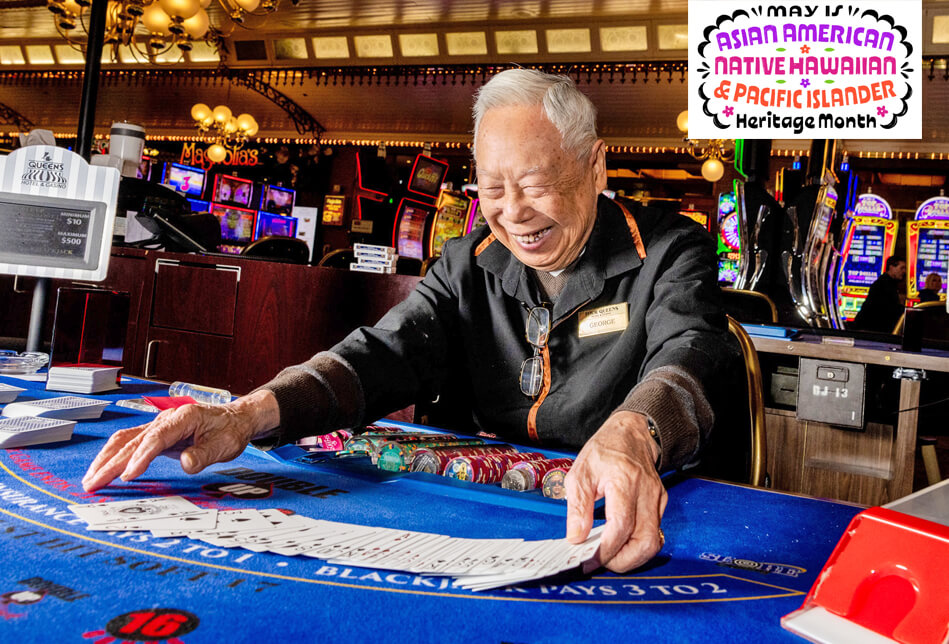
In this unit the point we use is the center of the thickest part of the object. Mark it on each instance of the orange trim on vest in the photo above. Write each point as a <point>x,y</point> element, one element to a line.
<point>487,242</point>
<point>633,230</point>
<point>532,416</point>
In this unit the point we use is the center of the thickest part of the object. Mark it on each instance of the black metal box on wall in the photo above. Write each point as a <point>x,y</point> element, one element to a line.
<point>831,392</point>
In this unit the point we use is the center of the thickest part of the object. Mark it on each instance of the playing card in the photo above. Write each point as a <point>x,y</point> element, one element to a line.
<point>64,407</point>
<point>228,538</point>
<point>22,432</point>
<point>116,512</point>
<point>8,393</point>
<point>481,549</point>
<point>409,550</point>
<point>390,543</point>
<point>344,543</point>
<point>178,526</point>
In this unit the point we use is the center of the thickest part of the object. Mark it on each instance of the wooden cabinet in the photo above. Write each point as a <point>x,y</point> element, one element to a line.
<point>190,357</point>
<point>235,322</point>
<point>871,466</point>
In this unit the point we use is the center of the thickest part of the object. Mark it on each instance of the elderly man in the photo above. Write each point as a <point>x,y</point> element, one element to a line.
<point>568,321</point>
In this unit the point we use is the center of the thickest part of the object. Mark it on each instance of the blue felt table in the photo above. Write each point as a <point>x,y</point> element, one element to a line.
<point>736,559</point>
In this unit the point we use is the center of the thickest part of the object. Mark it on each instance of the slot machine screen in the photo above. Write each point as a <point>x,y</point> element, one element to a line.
<point>184,179</point>
<point>237,224</point>
<point>232,190</point>
<point>271,224</point>
<point>199,206</point>
<point>409,234</point>
<point>427,176</point>
<point>932,255</point>
<point>865,258</point>
<point>277,200</point>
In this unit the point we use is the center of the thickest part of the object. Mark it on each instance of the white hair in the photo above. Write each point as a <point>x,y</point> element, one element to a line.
<point>570,111</point>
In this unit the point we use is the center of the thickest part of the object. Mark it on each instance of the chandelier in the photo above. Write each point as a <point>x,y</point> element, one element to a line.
<point>714,152</point>
<point>150,28</point>
<point>228,131</point>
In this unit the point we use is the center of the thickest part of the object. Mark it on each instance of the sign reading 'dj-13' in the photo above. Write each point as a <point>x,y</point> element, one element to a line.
<point>818,69</point>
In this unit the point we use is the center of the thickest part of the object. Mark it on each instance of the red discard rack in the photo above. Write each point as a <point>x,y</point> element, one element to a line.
<point>888,578</point>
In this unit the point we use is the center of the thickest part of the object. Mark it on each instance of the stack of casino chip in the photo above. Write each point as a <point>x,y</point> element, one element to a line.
<point>488,468</point>
<point>332,442</point>
<point>398,456</point>
<point>369,444</point>
<point>529,475</point>
<point>433,460</point>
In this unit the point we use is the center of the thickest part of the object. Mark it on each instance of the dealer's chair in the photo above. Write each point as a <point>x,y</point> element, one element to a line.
<point>737,450</point>
<point>279,248</point>
<point>749,306</point>
<point>339,258</point>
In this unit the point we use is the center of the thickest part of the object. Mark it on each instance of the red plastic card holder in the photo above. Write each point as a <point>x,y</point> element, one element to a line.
<point>887,580</point>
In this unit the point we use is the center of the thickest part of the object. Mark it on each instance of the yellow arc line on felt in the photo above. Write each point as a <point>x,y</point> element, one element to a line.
<point>324,582</point>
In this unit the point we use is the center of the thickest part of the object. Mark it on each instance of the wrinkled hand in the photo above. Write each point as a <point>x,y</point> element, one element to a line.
<point>212,434</point>
<point>618,462</point>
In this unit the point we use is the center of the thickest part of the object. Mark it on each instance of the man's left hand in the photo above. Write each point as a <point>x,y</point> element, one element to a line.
<point>619,463</point>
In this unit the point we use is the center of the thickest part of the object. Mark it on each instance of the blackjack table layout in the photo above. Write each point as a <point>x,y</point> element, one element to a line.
<point>735,558</point>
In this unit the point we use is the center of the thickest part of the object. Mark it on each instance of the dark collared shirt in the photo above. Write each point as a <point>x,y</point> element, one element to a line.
<point>460,336</point>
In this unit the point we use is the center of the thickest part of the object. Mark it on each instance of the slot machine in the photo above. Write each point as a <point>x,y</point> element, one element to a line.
<point>927,246</point>
<point>412,230</point>
<point>869,238</point>
<point>807,246</point>
<point>729,239</point>
<point>758,212</point>
<point>451,214</point>
<point>237,227</point>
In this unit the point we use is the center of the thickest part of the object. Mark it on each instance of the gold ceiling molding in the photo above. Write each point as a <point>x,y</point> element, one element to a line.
<point>654,72</point>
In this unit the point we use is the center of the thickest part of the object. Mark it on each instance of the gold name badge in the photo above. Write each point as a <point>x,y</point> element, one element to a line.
<point>605,319</point>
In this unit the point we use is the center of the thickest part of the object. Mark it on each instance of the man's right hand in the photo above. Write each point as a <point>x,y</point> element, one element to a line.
<point>207,434</point>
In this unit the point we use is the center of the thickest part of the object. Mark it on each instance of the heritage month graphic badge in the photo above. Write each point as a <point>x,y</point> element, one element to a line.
<point>811,70</point>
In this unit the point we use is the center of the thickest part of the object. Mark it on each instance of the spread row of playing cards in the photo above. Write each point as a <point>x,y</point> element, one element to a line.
<point>477,564</point>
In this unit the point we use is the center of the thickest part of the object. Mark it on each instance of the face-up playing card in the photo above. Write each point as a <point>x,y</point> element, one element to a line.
<point>168,526</point>
<point>117,512</point>
<point>344,543</point>
<point>481,548</point>
<point>390,542</point>
<point>476,564</point>
<point>409,550</point>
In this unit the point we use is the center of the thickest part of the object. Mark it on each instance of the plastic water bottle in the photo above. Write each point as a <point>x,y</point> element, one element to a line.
<point>200,393</point>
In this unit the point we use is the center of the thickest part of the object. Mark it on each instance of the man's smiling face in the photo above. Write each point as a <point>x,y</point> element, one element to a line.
<point>538,199</point>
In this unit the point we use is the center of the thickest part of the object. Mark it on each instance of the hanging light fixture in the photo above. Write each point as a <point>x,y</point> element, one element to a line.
<point>229,132</point>
<point>150,28</point>
<point>713,152</point>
